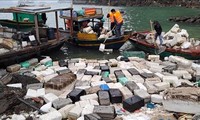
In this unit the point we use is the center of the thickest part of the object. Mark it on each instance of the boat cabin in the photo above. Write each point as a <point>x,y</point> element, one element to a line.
<point>23,17</point>
<point>81,19</point>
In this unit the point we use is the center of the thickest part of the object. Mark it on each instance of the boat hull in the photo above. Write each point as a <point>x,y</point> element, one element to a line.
<point>193,54</point>
<point>21,55</point>
<point>111,43</point>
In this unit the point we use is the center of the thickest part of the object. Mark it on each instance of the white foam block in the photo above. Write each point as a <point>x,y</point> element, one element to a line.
<point>90,96</point>
<point>155,98</point>
<point>65,110</point>
<point>35,93</point>
<point>50,97</point>
<point>54,115</point>
<point>75,112</point>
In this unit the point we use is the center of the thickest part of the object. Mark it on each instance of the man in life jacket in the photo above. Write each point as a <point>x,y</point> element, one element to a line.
<point>112,22</point>
<point>118,21</point>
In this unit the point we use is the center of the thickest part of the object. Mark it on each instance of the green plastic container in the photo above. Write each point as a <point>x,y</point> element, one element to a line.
<point>80,12</point>
<point>105,74</point>
<point>21,16</point>
<point>25,64</point>
<point>49,64</point>
<point>123,80</point>
<point>198,83</point>
<point>139,54</point>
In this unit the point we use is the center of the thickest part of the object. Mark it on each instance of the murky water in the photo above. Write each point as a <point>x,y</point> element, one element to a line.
<point>136,18</point>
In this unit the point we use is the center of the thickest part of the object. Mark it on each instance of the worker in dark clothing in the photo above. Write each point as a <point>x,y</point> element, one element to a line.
<point>158,29</point>
<point>98,27</point>
<point>44,18</point>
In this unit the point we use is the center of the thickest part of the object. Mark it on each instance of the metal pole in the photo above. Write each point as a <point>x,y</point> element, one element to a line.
<point>57,32</point>
<point>71,17</point>
<point>17,22</point>
<point>37,28</point>
<point>71,22</point>
<point>30,105</point>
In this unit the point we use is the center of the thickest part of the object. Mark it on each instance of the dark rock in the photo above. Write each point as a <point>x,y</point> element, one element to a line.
<point>8,98</point>
<point>191,20</point>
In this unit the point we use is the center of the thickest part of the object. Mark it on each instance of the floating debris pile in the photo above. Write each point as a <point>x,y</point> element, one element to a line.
<point>176,38</point>
<point>85,89</point>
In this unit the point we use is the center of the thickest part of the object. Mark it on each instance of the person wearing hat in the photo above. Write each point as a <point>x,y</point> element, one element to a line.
<point>118,21</point>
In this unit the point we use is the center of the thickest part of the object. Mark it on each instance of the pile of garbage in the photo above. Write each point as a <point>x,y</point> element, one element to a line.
<point>6,41</point>
<point>176,38</point>
<point>13,40</point>
<point>104,34</point>
<point>90,89</point>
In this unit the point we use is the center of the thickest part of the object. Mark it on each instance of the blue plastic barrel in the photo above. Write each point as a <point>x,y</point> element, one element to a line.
<point>51,33</point>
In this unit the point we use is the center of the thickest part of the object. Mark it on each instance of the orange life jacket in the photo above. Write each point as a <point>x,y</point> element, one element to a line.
<point>111,17</point>
<point>118,17</point>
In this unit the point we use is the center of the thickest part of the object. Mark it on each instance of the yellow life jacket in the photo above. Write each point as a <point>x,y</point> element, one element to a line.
<point>111,17</point>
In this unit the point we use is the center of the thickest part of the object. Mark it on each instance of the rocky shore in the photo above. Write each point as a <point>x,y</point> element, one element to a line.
<point>87,89</point>
<point>186,19</point>
<point>188,4</point>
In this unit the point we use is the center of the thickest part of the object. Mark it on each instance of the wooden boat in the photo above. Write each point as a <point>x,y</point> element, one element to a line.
<point>91,40</point>
<point>192,53</point>
<point>56,39</point>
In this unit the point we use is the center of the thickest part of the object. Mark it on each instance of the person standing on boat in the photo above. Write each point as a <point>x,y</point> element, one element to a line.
<point>44,18</point>
<point>118,21</point>
<point>99,27</point>
<point>112,22</point>
<point>158,29</point>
